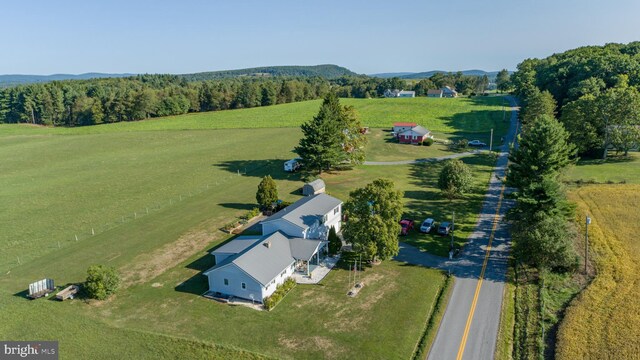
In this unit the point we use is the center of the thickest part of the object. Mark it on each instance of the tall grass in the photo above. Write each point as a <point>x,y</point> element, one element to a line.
<point>603,322</point>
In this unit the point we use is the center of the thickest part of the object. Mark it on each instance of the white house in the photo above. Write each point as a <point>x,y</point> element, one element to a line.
<point>407,94</point>
<point>293,239</point>
<point>255,272</point>
<point>308,218</point>
<point>449,92</point>
<point>402,126</point>
<point>437,93</point>
<point>391,93</point>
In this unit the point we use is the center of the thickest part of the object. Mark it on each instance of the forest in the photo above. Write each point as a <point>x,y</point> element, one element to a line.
<point>109,100</point>
<point>592,90</point>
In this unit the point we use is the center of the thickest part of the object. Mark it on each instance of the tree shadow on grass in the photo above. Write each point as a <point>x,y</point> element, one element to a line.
<point>259,169</point>
<point>238,206</point>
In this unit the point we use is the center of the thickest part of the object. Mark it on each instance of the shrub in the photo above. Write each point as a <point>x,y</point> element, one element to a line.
<point>335,244</point>
<point>102,281</point>
<point>462,144</point>
<point>230,226</point>
<point>271,301</point>
<point>428,142</point>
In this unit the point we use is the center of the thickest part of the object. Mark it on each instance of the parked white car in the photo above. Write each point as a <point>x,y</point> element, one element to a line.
<point>427,225</point>
<point>476,143</point>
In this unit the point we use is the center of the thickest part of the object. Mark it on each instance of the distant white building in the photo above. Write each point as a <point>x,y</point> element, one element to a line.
<point>399,93</point>
<point>407,94</point>
<point>436,93</point>
<point>391,93</point>
<point>449,92</point>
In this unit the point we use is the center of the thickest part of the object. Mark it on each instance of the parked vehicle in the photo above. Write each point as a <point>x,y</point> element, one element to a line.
<point>445,228</point>
<point>476,143</point>
<point>427,225</point>
<point>292,165</point>
<point>406,224</point>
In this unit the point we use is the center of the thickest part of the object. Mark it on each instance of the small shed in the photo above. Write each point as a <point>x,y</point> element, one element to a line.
<point>313,188</point>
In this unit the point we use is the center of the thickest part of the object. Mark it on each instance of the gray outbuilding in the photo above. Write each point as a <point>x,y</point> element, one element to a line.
<point>313,188</point>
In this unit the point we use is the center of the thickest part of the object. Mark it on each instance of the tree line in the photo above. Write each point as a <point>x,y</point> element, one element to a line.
<point>592,90</point>
<point>109,100</point>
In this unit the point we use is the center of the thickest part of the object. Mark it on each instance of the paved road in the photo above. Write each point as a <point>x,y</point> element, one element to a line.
<point>415,161</point>
<point>469,327</point>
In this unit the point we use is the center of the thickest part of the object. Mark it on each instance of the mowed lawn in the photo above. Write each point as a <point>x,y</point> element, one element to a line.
<point>603,322</point>
<point>422,197</point>
<point>614,169</point>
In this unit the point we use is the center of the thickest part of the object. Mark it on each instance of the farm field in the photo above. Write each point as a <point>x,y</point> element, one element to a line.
<point>608,308</point>
<point>460,115</point>
<point>151,204</point>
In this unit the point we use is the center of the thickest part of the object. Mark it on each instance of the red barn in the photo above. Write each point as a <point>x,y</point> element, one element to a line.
<point>415,135</point>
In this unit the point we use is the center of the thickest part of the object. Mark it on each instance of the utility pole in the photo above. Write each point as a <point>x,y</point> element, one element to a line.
<point>586,243</point>
<point>491,141</point>
<point>453,226</point>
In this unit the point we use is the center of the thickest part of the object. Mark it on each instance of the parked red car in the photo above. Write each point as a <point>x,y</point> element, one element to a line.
<point>406,225</point>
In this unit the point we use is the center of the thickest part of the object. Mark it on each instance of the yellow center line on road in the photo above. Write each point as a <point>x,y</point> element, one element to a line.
<point>463,343</point>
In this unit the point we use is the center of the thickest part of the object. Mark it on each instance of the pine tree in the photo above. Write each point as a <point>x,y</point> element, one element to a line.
<point>321,146</point>
<point>543,151</point>
<point>267,192</point>
<point>536,104</point>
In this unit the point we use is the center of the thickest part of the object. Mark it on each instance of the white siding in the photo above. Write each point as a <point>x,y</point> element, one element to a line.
<point>282,225</point>
<point>236,277</point>
<point>334,218</point>
<point>271,287</point>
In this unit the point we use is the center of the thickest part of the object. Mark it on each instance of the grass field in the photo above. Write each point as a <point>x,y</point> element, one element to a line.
<point>461,115</point>
<point>604,320</point>
<point>151,204</point>
<point>615,169</point>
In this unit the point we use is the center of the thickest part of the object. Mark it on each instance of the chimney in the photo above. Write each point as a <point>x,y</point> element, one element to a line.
<point>267,244</point>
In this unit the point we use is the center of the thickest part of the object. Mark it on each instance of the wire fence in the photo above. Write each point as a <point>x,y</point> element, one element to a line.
<point>75,236</point>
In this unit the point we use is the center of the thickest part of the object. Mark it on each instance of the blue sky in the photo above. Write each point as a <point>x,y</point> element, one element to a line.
<point>45,37</point>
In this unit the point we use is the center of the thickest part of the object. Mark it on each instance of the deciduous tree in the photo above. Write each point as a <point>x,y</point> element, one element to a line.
<point>455,178</point>
<point>373,214</point>
<point>102,281</point>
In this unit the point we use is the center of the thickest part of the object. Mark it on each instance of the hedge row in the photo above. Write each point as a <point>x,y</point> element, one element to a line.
<point>282,290</point>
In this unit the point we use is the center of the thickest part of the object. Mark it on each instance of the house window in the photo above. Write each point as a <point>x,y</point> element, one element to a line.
<point>244,285</point>
<point>336,210</point>
<point>226,282</point>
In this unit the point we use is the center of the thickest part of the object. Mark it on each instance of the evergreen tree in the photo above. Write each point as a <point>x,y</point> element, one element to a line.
<point>335,244</point>
<point>537,103</point>
<point>321,146</point>
<point>267,193</point>
<point>543,151</point>
<point>373,214</point>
